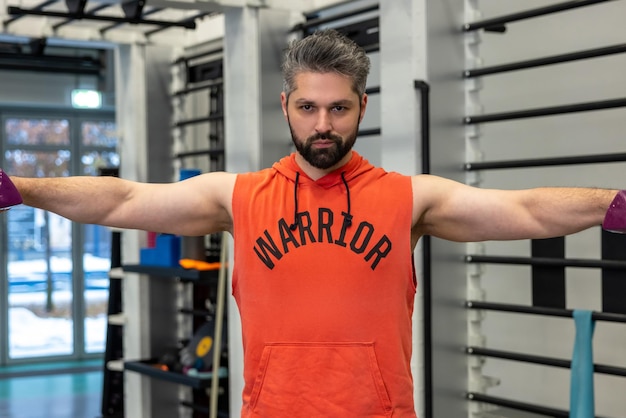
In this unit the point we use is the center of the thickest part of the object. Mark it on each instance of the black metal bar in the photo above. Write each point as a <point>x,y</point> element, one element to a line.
<point>545,361</point>
<point>200,55</point>
<point>544,162</point>
<point>94,10</point>
<point>519,406</point>
<point>538,62</point>
<point>190,19</point>
<point>371,48</point>
<point>198,88</point>
<point>63,59</point>
<point>38,7</point>
<point>548,283</point>
<point>209,118</point>
<point>613,281</point>
<point>115,25</point>
<point>316,22</point>
<point>546,111</point>
<point>133,9</point>
<point>496,29</point>
<point>211,152</point>
<point>536,310</point>
<point>50,64</point>
<point>12,10</point>
<point>546,261</point>
<point>424,89</point>
<point>372,90</point>
<point>369,132</point>
<point>527,14</point>
<point>76,7</point>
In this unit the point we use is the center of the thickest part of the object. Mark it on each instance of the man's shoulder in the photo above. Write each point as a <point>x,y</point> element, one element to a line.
<point>253,179</point>
<point>259,174</point>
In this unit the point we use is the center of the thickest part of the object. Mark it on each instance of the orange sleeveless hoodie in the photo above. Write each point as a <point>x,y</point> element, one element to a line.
<point>325,303</point>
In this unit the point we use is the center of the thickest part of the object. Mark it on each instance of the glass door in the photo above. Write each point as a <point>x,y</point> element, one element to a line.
<point>57,271</point>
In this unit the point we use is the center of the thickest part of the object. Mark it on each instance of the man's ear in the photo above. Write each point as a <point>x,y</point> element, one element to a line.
<point>363,106</point>
<point>283,103</point>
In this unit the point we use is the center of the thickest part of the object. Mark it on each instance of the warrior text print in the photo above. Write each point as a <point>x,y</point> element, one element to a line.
<point>322,228</point>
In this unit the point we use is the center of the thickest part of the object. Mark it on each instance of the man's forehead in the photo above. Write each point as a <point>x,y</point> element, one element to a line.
<point>327,87</point>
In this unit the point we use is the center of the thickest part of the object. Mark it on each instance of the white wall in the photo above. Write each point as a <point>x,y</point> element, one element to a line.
<point>584,133</point>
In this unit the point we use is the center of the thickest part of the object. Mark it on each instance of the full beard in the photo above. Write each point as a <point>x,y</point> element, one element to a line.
<point>324,158</point>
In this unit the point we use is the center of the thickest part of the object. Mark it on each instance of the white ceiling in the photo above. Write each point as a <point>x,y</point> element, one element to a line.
<point>62,30</point>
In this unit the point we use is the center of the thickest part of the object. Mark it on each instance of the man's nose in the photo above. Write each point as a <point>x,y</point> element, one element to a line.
<point>323,122</point>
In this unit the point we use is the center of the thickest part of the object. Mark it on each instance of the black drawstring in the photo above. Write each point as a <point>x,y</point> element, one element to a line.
<point>294,225</point>
<point>348,215</point>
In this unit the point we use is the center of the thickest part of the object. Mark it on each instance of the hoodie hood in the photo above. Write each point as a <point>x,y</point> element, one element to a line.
<point>357,165</point>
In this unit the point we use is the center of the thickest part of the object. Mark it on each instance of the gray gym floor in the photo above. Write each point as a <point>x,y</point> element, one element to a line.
<point>35,392</point>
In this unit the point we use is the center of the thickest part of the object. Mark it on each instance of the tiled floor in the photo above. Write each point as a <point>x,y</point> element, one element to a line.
<point>42,393</point>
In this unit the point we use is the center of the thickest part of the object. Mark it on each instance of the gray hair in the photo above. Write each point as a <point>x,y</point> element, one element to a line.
<point>326,51</point>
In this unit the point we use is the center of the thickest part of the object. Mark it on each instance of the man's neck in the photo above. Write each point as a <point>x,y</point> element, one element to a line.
<point>317,173</point>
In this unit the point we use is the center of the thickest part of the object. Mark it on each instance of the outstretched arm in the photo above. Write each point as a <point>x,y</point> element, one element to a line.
<point>454,211</point>
<point>197,206</point>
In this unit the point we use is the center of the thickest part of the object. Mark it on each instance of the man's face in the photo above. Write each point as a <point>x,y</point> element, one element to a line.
<point>323,114</point>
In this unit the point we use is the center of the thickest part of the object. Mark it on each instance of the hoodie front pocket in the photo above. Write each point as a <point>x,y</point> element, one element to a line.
<point>319,380</point>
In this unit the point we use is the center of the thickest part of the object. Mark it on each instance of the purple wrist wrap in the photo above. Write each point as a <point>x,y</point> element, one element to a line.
<point>615,218</point>
<point>9,196</point>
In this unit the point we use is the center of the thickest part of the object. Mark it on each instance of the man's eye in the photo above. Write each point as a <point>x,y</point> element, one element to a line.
<point>339,108</point>
<point>306,107</point>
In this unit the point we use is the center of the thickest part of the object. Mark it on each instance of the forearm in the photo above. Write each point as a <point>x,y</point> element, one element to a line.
<point>82,199</point>
<point>564,211</point>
